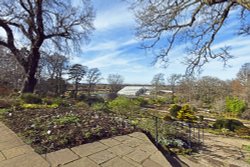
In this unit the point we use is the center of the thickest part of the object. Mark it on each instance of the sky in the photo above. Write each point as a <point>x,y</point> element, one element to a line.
<point>114,48</point>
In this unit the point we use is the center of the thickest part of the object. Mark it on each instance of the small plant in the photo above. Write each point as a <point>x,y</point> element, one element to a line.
<point>186,114</point>
<point>67,119</point>
<point>174,109</point>
<point>82,105</point>
<point>38,106</point>
<point>230,124</point>
<point>99,107</point>
<point>31,98</point>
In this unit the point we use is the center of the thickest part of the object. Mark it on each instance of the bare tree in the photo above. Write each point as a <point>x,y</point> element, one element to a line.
<point>173,79</point>
<point>76,73</point>
<point>158,82</point>
<point>11,73</point>
<point>165,24</point>
<point>93,77</point>
<point>244,77</point>
<point>115,82</point>
<point>210,89</point>
<point>41,23</point>
<point>54,65</point>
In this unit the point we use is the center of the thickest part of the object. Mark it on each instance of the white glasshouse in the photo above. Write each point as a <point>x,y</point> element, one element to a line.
<point>135,90</point>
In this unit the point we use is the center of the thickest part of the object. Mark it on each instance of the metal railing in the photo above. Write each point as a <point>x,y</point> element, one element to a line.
<point>193,132</point>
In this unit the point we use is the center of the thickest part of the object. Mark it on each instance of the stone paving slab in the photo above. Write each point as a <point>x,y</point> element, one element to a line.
<point>83,162</point>
<point>110,142</point>
<point>121,149</point>
<point>15,142</point>
<point>25,160</point>
<point>88,149</point>
<point>133,150</point>
<point>117,162</point>
<point>2,157</point>
<point>102,156</point>
<point>138,156</point>
<point>16,151</point>
<point>150,163</point>
<point>61,157</point>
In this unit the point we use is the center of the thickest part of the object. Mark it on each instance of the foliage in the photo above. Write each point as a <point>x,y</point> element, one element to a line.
<point>186,114</point>
<point>230,124</point>
<point>82,105</point>
<point>174,109</point>
<point>157,101</point>
<point>142,101</point>
<point>61,102</point>
<point>245,131</point>
<point>235,105</point>
<point>123,105</point>
<point>4,110</point>
<point>31,98</point>
<point>67,119</point>
<point>99,107</point>
<point>38,106</point>
<point>53,129</point>
<point>76,73</point>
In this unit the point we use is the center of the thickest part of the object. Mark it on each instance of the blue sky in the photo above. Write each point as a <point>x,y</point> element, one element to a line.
<point>115,49</point>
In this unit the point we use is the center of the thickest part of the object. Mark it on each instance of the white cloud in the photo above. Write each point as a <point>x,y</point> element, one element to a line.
<point>114,17</point>
<point>233,42</point>
<point>114,60</point>
<point>110,45</point>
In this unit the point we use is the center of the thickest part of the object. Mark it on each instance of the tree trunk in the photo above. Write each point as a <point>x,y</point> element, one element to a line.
<point>30,71</point>
<point>29,83</point>
<point>76,89</point>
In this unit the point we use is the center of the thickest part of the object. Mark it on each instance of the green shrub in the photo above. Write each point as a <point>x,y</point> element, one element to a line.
<point>174,109</point>
<point>99,107</point>
<point>142,101</point>
<point>186,114</point>
<point>230,124</point>
<point>61,102</point>
<point>123,105</point>
<point>235,105</point>
<point>31,98</point>
<point>157,101</point>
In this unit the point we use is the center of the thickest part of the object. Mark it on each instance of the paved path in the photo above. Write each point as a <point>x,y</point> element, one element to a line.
<point>219,151</point>
<point>133,150</point>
